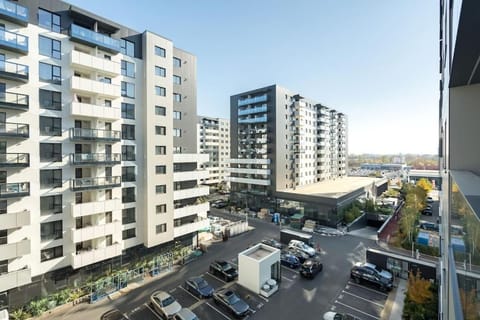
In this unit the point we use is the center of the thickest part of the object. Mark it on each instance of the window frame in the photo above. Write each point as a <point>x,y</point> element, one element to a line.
<point>54,78</point>
<point>160,71</point>
<point>177,79</point>
<point>127,132</point>
<point>160,150</point>
<point>177,62</point>
<point>52,25</point>
<point>56,127</point>
<point>55,180</point>
<point>128,109</point>
<point>125,87</point>
<point>160,91</point>
<point>159,51</point>
<point>53,52</point>
<point>125,70</point>
<point>50,96</point>
<point>55,155</point>
<point>163,113</point>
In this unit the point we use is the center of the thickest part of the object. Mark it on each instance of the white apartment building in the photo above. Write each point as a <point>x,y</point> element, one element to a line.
<point>214,139</point>
<point>96,156</point>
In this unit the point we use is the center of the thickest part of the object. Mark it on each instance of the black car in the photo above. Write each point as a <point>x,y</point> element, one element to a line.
<point>199,287</point>
<point>289,260</point>
<point>232,302</point>
<point>427,212</point>
<point>429,226</point>
<point>223,269</point>
<point>113,314</point>
<point>366,275</point>
<point>273,243</point>
<point>310,268</point>
<point>301,256</point>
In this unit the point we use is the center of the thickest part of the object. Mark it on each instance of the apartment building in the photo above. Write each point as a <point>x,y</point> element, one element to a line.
<point>214,139</point>
<point>98,158</point>
<point>459,159</point>
<point>282,141</point>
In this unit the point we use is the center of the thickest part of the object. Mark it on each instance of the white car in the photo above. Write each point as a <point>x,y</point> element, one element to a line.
<point>381,272</point>
<point>330,315</point>
<point>300,245</point>
<point>165,304</point>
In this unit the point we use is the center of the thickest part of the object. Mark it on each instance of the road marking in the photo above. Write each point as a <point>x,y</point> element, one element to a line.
<point>366,288</point>
<point>196,298</point>
<point>263,298</point>
<point>357,310</point>
<point>173,290</point>
<point>217,310</point>
<point>211,274</point>
<point>288,279</point>
<point>153,311</point>
<point>354,295</point>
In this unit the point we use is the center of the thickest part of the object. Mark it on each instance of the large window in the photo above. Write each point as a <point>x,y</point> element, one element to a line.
<point>51,253</point>
<point>162,188</point>
<point>51,230</point>
<point>177,80</point>
<point>50,47</point>
<point>177,62</point>
<point>159,71</point>
<point>177,115</point>
<point>159,51</point>
<point>128,174</point>
<point>51,152</point>
<point>177,97</point>
<point>161,228</point>
<point>50,126</point>
<point>160,91</point>
<point>160,111</point>
<point>128,69</point>
<point>128,153</point>
<point>50,99</point>
<point>128,132</point>
<point>50,73</point>
<point>159,150</point>
<point>127,47</point>
<point>51,204</point>
<point>127,234</point>
<point>128,216</point>
<point>160,130</point>
<point>128,89</point>
<point>128,194</point>
<point>51,178</point>
<point>49,20</point>
<point>128,110</point>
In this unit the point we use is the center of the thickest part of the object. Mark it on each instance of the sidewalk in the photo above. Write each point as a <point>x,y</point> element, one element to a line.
<point>394,305</point>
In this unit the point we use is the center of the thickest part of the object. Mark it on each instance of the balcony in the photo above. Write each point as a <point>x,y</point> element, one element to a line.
<point>95,183</point>
<point>15,279</point>
<point>93,232</point>
<point>253,120</point>
<point>17,101</point>
<point>14,130</point>
<point>15,249</point>
<point>13,42</point>
<point>13,12</point>
<point>94,134</point>
<point>89,86</point>
<point>187,228</point>
<point>18,160</point>
<point>86,257</point>
<point>190,193</point>
<point>14,71</point>
<point>260,182</point>
<point>95,111</point>
<point>257,99</point>
<point>262,108</point>
<point>85,61</point>
<point>14,190</point>
<point>191,210</point>
<point>93,39</point>
<point>89,208</point>
<point>250,161</point>
<point>15,219</point>
<point>95,158</point>
<point>190,157</point>
<point>250,171</point>
<point>190,175</point>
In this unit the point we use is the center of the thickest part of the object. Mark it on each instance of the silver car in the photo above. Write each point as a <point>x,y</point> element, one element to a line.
<point>185,314</point>
<point>165,304</point>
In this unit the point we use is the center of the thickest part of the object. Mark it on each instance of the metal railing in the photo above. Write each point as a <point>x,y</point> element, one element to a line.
<point>89,183</point>
<point>94,38</point>
<point>15,159</point>
<point>14,129</point>
<point>20,70</point>
<point>14,10</point>
<point>14,40</point>
<point>82,158</point>
<point>14,99</point>
<point>95,134</point>
<point>19,189</point>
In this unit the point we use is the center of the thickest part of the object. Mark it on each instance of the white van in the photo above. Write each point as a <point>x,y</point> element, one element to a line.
<point>302,246</point>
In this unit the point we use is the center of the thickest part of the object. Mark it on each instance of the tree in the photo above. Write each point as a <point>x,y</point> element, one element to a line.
<point>425,185</point>
<point>418,289</point>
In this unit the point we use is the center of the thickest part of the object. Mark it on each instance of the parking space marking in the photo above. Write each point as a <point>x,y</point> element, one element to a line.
<point>212,275</point>
<point>367,288</point>
<point>153,311</point>
<point>288,279</point>
<point>223,314</point>
<point>358,297</point>
<point>357,310</point>
<point>196,298</point>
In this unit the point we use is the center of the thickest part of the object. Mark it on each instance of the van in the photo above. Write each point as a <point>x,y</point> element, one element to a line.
<point>185,314</point>
<point>302,246</point>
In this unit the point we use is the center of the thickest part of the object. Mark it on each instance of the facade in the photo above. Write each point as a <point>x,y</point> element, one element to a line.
<point>214,139</point>
<point>95,161</point>
<point>459,158</point>
<point>281,140</point>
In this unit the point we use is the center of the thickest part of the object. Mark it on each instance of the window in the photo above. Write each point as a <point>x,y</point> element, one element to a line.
<point>177,115</point>
<point>51,178</point>
<point>177,132</point>
<point>177,97</point>
<point>105,80</point>
<point>50,47</point>
<point>127,234</point>
<point>128,69</point>
<point>128,89</point>
<point>50,126</point>
<point>161,208</point>
<point>127,47</point>
<point>128,153</point>
<point>128,110</point>
<point>161,228</point>
<point>50,73</point>
<point>177,80</point>
<point>160,130</point>
<point>49,20</point>
<point>128,195</point>
<point>51,253</point>
<point>51,230</point>
<point>160,150</point>
<point>162,188</point>
<point>159,71</point>
<point>177,149</point>
<point>159,51</point>
<point>51,204</point>
<point>128,132</point>
<point>128,174</point>
<point>51,152</point>
<point>160,111</point>
<point>160,91</point>
<point>128,216</point>
<point>177,62</point>
<point>160,169</point>
<point>50,99</point>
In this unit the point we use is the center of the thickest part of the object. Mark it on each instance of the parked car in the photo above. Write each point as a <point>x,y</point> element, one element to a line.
<point>163,303</point>
<point>362,274</point>
<point>219,204</point>
<point>272,243</point>
<point>289,260</point>
<point>429,200</point>
<point>301,256</point>
<point>311,268</point>
<point>331,315</point>
<point>224,270</point>
<point>185,314</point>
<point>376,269</point>
<point>199,287</point>
<point>429,226</point>
<point>300,245</point>
<point>113,314</point>
<point>232,302</point>
<point>427,212</point>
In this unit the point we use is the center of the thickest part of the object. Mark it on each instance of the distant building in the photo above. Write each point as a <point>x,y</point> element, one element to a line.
<point>384,166</point>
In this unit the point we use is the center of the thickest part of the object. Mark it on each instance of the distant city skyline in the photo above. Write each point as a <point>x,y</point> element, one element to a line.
<point>375,61</point>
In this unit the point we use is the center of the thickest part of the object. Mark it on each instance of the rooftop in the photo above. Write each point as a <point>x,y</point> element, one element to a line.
<point>259,252</point>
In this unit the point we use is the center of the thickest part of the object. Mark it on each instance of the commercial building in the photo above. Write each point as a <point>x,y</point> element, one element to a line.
<point>98,159</point>
<point>459,158</point>
<point>214,139</point>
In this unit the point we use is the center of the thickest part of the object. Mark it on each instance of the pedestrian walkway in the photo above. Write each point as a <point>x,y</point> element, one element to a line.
<point>366,233</point>
<point>398,300</point>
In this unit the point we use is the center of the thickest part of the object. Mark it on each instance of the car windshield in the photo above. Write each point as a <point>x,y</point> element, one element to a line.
<point>226,267</point>
<point>202,284</point>
<point>168,301</point>
<point>233,299</point>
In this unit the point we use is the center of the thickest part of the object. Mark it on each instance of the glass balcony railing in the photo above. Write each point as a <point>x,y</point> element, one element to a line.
<point>262,108</point>
<point>257,99</point>
<point>14,159</point>
<point>96,158</point>
<point>95,183</point>
<point>253,120</point>
<point>91,37</point>
<point>13,41</point>
<point>13,100</point>
<point>14,12</point>
<point>14,130</point>
<point>12,190</point>
<point>13,71</point>
<point>94,134</point>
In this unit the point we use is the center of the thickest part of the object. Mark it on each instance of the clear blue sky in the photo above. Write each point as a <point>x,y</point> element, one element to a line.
<point>375,60</point>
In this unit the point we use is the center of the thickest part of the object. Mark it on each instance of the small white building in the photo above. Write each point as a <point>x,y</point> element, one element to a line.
<point>259,269</point>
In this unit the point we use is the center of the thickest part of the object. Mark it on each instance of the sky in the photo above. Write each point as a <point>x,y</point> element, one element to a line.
<point>374,60</point>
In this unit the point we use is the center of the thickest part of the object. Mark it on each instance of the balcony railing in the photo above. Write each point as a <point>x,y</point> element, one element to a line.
<point>13,12</point>
<point>12,190</point>
<point>253,120</point>
<point>95,111</point>
<point>13,100</point>
<point>14,159</point>
<point>13,41</point>
<point>262,108</point>
<point>13,71</point>
<point>95,183</point>
<point>90,37</point>
<point>15,130</point>
<point>95,158</point>
<point>94,134</point>
<point>262,98</point>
